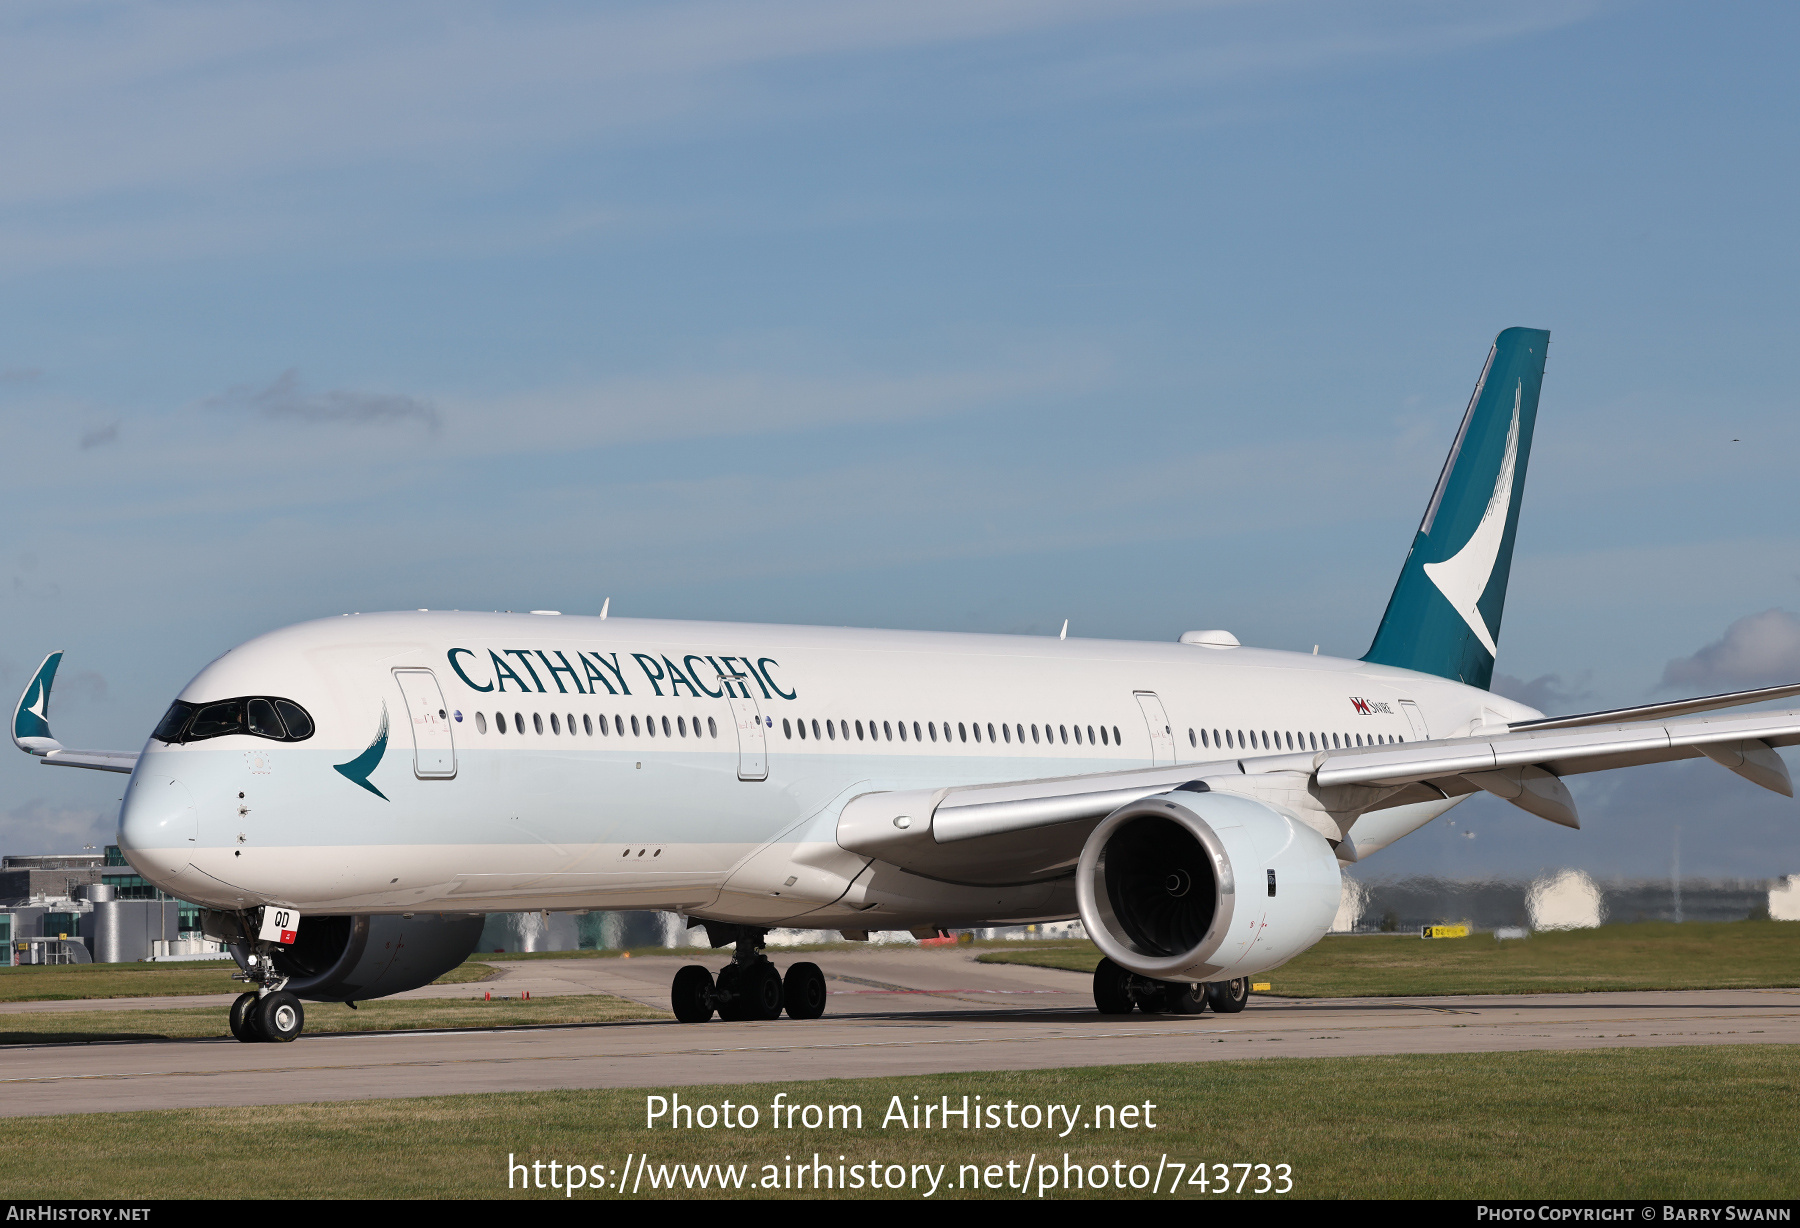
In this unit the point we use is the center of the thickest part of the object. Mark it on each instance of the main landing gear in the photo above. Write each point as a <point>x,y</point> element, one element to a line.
<point>748,987</point>
<point>1117,991</point>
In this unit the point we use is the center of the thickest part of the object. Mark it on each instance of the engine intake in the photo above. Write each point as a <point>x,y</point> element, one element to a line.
<point>1200,886</point>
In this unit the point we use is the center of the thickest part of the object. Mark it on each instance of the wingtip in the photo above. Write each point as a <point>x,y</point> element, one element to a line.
<point>31,718</point>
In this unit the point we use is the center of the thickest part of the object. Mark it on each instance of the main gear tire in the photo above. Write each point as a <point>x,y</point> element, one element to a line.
<point>1185,999</point>
<point>761,990</point>
<point>732,1006</point>
<point>1228,997</point>
<point>803,991</point>
<point>691,996</point>
<point>1111,995</point>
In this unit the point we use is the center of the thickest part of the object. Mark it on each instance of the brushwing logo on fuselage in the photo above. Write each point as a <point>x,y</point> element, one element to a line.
<point>1464,576</point>
<point>360,768</point>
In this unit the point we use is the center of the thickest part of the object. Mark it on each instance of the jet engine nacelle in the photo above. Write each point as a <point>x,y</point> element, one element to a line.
<point>349,959</point>
<point>1200,886</point>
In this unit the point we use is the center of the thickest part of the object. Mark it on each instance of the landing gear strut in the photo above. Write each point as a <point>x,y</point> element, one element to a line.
<point>1117,991</point>
<point>749,987</point>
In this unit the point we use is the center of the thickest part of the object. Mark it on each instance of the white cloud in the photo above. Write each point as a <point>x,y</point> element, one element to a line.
<point>38,826</point>
<point>1756,650</point>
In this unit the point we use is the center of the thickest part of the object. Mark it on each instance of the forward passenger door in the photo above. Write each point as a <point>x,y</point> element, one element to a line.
<point>434,749</point>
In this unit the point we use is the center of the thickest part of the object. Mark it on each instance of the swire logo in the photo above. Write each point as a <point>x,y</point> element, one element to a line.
<point>1369,707</point>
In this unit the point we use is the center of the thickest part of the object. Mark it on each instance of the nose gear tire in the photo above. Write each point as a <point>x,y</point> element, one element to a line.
<point>242,1026</point>
<point>279,1017</point>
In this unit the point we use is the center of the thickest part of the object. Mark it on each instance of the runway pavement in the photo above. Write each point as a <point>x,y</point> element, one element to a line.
<point>892,1011</point>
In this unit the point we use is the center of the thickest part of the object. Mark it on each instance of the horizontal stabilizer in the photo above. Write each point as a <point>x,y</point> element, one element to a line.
<point>1657,712</point>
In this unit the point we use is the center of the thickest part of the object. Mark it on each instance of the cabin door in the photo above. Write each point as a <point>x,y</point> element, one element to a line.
<point>1156,721</point>
<point>1416,719</point>
<point>434,750</point>
<point>752,728</point>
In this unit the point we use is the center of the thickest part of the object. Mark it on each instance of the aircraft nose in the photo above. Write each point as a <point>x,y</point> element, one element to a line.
<point>158,825</point>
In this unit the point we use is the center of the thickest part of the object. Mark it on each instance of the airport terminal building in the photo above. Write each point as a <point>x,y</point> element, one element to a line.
<point>92,907</point>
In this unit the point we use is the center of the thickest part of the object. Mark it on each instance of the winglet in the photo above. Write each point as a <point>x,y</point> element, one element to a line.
<point>31,720</point>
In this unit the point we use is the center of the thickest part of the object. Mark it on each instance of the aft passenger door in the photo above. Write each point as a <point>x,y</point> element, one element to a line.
<point>434,750</point>
<point>1416,719</point>
<point>1162,738</point>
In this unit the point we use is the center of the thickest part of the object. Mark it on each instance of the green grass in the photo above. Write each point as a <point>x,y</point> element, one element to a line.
<point>382,1015</point>
<point>1644,955</point>
<point>61,982</point>
<point>1691,1122</point>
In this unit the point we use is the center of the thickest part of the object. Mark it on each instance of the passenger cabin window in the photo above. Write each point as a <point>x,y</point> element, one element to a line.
<point>480,723</point>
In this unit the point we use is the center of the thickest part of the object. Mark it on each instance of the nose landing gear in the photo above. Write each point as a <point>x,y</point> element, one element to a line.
<point>268,1012</point>
<point>749,987</point>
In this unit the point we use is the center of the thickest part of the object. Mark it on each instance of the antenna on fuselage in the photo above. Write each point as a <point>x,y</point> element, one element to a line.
<point>1065,630</point>
<point>605,606</point>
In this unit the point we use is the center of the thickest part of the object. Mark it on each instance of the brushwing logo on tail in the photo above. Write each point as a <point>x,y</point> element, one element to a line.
<point>1464,576</point>
<point>360,768</point>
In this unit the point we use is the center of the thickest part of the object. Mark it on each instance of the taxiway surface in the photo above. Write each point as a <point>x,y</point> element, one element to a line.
<point>892,1012</point>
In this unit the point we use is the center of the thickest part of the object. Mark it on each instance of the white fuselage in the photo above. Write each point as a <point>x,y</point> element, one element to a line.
<point>631,773</point>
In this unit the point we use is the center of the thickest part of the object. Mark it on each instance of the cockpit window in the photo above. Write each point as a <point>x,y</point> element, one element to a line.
<point>173,722</point>
<point>263,721</point>
<point>299,725</point>
<point>279,720</point>
<point>217,720</point>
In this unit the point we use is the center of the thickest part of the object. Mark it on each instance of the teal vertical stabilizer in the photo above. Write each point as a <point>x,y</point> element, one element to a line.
<point>1444,616</point>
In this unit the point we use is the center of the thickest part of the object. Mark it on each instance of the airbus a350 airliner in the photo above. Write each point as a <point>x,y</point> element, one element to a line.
<point>347,798</point>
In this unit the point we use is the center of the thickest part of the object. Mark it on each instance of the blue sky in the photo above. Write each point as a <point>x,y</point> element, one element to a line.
<point>971,315</point>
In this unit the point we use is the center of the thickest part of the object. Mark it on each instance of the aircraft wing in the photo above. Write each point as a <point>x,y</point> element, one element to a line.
<point>31,728</point>
<point>1028,830</point>
<point>1743,743</point>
